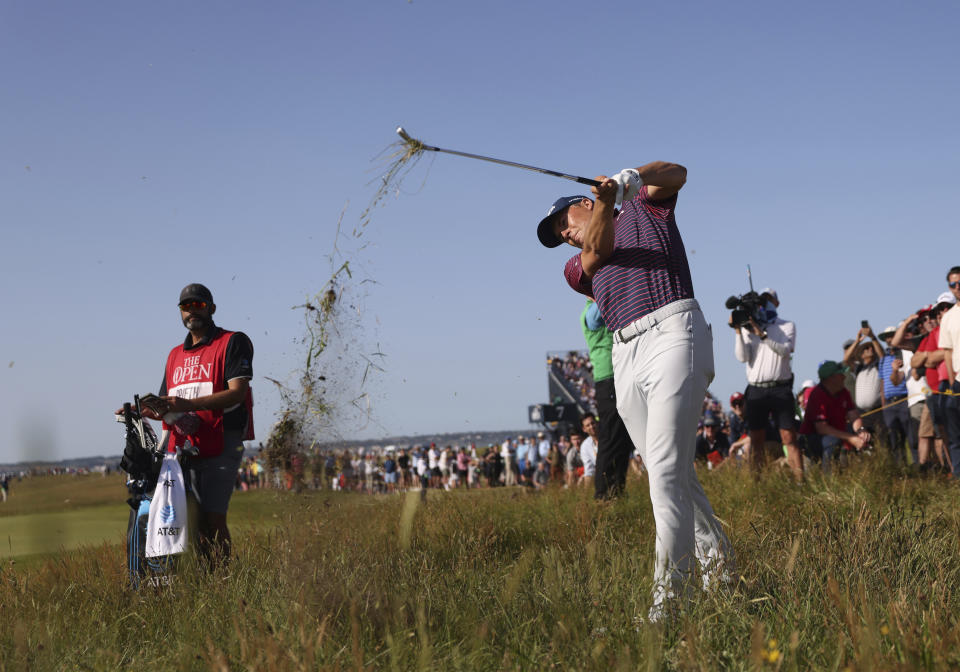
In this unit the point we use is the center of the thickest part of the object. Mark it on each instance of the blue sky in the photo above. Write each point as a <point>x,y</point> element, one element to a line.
<point>146,146</point>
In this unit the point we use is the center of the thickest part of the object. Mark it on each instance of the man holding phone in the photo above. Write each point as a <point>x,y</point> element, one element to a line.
<point>896,412</point>
<point>863,356</point>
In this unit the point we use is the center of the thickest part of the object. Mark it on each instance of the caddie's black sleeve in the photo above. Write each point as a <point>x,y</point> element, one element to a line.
<point>163,386</point>
<point>238,361</point>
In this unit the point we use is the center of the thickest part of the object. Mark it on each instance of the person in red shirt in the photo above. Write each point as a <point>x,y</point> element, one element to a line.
<point>208,377</point>
<point>930,355</point>
<point>830,409</point>
<point>925,321</point>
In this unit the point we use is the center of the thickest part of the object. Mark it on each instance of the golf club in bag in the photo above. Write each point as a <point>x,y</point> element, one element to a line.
<point>142,459</point>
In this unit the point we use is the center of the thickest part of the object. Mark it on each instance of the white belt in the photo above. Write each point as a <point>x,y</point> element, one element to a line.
<point>634,329</point>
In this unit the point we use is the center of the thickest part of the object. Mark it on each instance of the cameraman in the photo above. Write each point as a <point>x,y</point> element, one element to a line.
<point>766,351</point>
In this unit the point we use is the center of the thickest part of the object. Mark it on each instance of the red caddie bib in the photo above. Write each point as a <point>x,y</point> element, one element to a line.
<point>199,372</point>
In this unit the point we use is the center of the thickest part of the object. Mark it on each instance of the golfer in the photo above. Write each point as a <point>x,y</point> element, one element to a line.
<point>633,264</point>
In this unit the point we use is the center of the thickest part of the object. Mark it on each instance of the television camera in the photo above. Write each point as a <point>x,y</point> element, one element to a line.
<point>747,307</point>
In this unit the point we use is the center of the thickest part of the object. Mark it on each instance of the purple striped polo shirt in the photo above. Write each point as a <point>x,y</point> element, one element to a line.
<point>648,268</point>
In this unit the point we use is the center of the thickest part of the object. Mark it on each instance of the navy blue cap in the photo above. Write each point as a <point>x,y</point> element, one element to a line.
<point>545,228</point>
<point>196,292</point>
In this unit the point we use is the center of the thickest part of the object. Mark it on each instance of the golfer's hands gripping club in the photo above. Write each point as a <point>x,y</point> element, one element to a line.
<point>628,185</point>
<point>598,238</point>
<point>608,190</point>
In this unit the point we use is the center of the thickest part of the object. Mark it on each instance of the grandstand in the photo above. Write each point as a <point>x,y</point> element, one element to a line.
<point>569,389</point>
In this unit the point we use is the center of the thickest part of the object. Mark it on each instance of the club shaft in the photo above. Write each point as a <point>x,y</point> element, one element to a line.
<point>502,162</point>
<point>545,171</point>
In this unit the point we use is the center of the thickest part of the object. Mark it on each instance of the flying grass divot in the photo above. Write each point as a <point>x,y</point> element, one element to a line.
<point>413,145</point>
<point>398,159</point>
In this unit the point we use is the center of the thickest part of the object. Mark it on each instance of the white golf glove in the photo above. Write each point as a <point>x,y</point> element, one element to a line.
<point>628,185</point>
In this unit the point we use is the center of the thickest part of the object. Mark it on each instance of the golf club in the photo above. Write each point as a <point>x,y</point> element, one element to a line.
<point>419,145</point>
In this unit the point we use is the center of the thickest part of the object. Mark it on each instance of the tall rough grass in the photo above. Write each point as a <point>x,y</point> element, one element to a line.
<point>859,572</point>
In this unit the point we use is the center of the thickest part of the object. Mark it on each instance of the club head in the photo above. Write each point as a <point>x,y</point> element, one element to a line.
<point>403,134</point>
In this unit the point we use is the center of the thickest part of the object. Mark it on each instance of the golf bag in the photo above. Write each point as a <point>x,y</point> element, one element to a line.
<point>142,459</point>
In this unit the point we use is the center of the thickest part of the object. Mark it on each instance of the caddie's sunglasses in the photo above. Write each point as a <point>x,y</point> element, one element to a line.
<point>193,305</point>
<point>953,285</point>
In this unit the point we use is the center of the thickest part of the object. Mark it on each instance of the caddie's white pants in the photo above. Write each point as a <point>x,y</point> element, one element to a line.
<point>661,375</point>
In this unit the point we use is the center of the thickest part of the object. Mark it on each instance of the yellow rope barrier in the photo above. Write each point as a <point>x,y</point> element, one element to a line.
<point>945,393</point>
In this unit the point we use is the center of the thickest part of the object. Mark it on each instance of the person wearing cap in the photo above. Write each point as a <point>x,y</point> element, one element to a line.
<point>948,341</point>
<point>810,443</point>
<point>829,410</point>
<point>766,350</point>
<point>713,447</point>
<point>208,375</point>
<point>931,356</point>
<point>614,447</point>
<point>521,458</point>
<point>632,262</point>
<point>896,413</point>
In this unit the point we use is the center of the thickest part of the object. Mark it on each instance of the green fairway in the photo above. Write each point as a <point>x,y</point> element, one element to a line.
<point>69,492</point>
<point>54,513</point>
<point>32,533</point>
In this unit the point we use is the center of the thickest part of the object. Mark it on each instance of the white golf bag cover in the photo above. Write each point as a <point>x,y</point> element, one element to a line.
<point>167,522</point>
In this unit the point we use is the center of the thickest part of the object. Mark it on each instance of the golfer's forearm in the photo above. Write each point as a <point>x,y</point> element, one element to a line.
<point>663,174</point>
<point>598,238</point>
<point>948,362</point>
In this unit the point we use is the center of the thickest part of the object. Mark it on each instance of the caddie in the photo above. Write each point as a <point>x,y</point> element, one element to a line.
<point>614,447</point>
<point>208,376</point>
<point>632,262</point>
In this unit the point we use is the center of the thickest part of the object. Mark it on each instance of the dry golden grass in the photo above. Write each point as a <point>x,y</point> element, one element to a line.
<point>855,573</point>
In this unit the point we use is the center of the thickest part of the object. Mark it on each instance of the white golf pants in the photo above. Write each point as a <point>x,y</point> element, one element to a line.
<point>661,376</point>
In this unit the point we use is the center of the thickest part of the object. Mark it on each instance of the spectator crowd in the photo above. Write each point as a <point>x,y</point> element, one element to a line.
<point>575,372</point>
<point>890,392</point>
<point>893,392</point>
<point>533,461</point>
